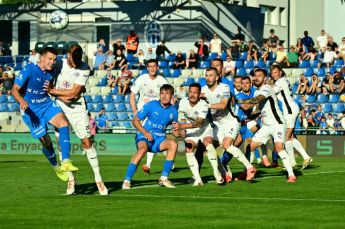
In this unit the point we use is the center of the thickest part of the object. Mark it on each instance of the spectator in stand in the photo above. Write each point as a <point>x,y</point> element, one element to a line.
<point>238,36</point>
<point>273,41</point>
<point>132,42</point>
<point>302,85</point>
<point>281,56</point>
<point>123,82</point>
<point>2,49</point>
<point>99,60</point>
<point>180,61</point>
<point>141,60</point>
<point>341,49</point>
<point>117,44</point>
<point>334,46</point>
<point>328,58</point>
<point>292,58</point>
<point>202,49</point>
<point>1,71</point>
<point>6,82</point>
<point>322,126</point>
<point>311,124</point>
<point>300,50</point>
<point>307,41</point>
<point>311,54</point>
<point>322,41</point>
<point>120,60</point>
<point>325,84</point>
<point>109,60</point>
<point>216,44</point>
<point>330,123</point>
<point>237,40</point>
<point>102,120</point>
<point>192,60</point>
<point>110,79</point>
<point>315,85</point>
<point>101,44</point>
<point>265,50</point>
<point>337,84</point>
<point>342,120</point>
<point>229,66</point>
<point>161,49</point>
<point>149,55</point>
<point>252,51</point>
<point>34,57</point>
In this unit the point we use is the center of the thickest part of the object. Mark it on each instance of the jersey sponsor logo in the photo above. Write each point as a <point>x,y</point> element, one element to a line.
<point>77,74</point>
<point>196,112</point>
<point>39,79</point>
<point>20,77</point>
<point>66,84</point>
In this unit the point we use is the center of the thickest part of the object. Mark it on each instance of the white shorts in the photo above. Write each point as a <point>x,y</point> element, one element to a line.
<point>251,124</point>
<point>265,133</point>
<point>195,137</point>
<point>78,119</point>
<point>226,128</point>
<point>290,120</point>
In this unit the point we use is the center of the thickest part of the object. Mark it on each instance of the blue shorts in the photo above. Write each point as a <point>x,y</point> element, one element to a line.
<point>37,116</point>
<point>245,132</point>
<point>154,145</point>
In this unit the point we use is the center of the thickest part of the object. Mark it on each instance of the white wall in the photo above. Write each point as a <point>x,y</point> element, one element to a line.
<point>335,19</point>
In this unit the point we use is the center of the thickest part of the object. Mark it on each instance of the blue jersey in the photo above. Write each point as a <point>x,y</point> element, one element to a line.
<point>31,80</point>
<point>243,114</point>
<point>157,117</point>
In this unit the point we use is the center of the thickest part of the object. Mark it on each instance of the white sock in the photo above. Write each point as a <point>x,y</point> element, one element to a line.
<point>212,157</point>
<point>236,152</point>
<point>149,158</point>
<point>290,152</point>
<point>70,176</point>
<point>93,160</point>
<point>286,162</point>
<point>193,165</point>
<point>298,146</point>
<point>252,157</point>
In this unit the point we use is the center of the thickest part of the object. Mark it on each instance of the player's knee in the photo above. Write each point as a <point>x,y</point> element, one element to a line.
<point>173,145</point>
<point>87,143</point>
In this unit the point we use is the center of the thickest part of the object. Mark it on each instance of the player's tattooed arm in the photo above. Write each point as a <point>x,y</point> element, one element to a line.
<point>220,106</point>
<point>250,103</point>
<point>196,124</point>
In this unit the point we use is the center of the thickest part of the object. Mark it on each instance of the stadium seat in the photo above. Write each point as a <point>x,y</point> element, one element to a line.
<point>243,56</point>
<point>338,63</point>
<point>201,81</point>
<point>130,115</point>
<point>13,107</point>
<point>143,71</point>
<point>165,72</point>
<point>260,64</point>
<point>3,107</point>
<point>112,116</point>
<point>175,73</point>
<point>309,71</point>
<point>294,88</point>
<point>248,64</point>
<point>311,98</point>
<point>122,116</point>
<point>241,72</point>
<point>322,98</point>
<point>272,56</point>
<point>333,98</point>
<point>188,81</point>
<point>6,60</point>
<point>171,58</point>
<point>238,64</point>
<point>70,43</point>
<point>127,98</point>
<point>119,107</point>
<point>269,63</point>
<point>107,98</point>
<point>327,107</point>
<point>128,107</point>
<point>338,107</point>
<point>223,56</point>
<point>39,46</point>
<point>109,107</point>
<point>332,70</point>
<point>163,64</point>
<point>126,124</point>
<point>102,82</point>
<point>114,91</point>
<point>97,107</point>
<point>96,98</point>
<point>118,98</point>
<point>61,46</point>
<point>313,63</point>
<point>89,107</point>
<point>51,44</point>
<point>10,99</point>
<point>87,98</point>
<point>304,64</point>
<point>213,55</point>
<point>18,67</point>
<point>3,98</point>
<point>320,71</point>
<point>205,64</point>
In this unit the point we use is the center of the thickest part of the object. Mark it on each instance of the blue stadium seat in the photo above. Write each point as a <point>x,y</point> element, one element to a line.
<point>171,57</point>
<point>109,107</point>
<point>122,116</point>
<point>87,98</point>
<point>128,107</point>
<point>97,107</point>
<point>89,107</point>
<point>338,63</point>
<point>332,70</point>
<point>114,124</point>
<point>269,63</point>
<point>272,56</point>
<point>18,67</point>
<point>297,97</point>
<point>127,98</point>
<point>248,64</point>
<point>238,64</point>
<point>320,71</point>
<point>213,55</point>
<point>201,81</point>
<point>10,99</point>
<point>102,82</point>
<point>260,64</point>
<point>223,56</point>
<point>130,57</point>
<point>188,81</point>
<point>126,124</point>
<point>243,56</point>
<point>313,63</point>
<point>114,91</point>
<point>205,64</point>
<point>3,98</point>
<point>143,71</point>
<point>13,107</point>
<point>304,64</point>
<point>327,107</point>
<point>175,73</point>
<point>338,107</point>
<point>3,107</point>
<point>309,71</point>
<point>118,98</point>
<point>171,64</point>
<point>130,115</point>
<point>241,72</point>
<point>322,98</point>
<point>96,98</point>
<point>163,64</point>
<point>112,116</point>
<point>333,98</point>
<point>311,98</point>
<point>119,107</point>
<point>294,88</point>
<point>166,72</point>
<point>107,98</point>
<point>6,59</point>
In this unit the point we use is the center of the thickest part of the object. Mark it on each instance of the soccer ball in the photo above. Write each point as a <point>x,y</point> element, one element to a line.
<point>58,20</point>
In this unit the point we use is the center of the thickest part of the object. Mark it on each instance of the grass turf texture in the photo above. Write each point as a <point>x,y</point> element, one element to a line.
<point>32,197</point>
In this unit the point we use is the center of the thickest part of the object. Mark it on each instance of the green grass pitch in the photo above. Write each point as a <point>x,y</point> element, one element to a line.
<point>31,196</point>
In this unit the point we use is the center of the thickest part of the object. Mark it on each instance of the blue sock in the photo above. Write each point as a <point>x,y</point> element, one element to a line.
<point>130,171</point>
<point>257,154</point>
<point>167,168</point>
<point>64,142</point>
<point>50,154</point>
<point>275,157</point>
<point>226,158</point>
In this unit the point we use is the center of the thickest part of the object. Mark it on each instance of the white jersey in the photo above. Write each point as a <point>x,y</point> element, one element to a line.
<point>70,76</point>
<point>147,88</point>
<point>216,96</point>
<point>270,112</point>
<point>283,90</point>
<point>190,113</point>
